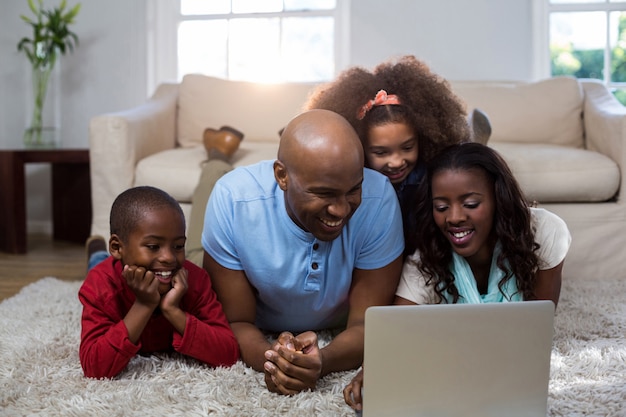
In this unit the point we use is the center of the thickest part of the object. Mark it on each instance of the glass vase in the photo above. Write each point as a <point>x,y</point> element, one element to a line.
<point>42,131</point>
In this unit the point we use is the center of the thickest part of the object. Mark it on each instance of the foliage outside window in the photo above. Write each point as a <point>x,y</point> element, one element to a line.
<point>588,40</point>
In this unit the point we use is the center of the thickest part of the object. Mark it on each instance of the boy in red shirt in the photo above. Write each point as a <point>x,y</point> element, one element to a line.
<point>146,297</point>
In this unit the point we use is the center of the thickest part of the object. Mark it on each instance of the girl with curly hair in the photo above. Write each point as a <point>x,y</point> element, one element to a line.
<point>477,239</point>
<point>403,113</point>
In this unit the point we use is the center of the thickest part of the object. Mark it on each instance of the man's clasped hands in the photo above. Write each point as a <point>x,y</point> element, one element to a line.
<point>294,363</point>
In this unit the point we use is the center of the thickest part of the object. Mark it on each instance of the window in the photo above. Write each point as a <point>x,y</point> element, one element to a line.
<point>587,39</point>
<point>251,40</point>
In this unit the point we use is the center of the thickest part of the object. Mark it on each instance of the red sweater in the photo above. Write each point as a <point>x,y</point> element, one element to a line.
<point>105,349</point>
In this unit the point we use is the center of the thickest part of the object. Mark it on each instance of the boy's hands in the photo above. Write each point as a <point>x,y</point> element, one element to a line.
<point>146,289</point>
<point>293,364</point>
<point>143,284</point>
<point>171,299</point>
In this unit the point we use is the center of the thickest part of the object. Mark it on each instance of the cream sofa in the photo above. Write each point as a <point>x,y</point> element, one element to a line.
<point>563,138</point>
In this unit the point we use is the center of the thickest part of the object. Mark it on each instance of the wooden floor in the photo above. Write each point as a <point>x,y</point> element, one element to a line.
<point>44,258</point>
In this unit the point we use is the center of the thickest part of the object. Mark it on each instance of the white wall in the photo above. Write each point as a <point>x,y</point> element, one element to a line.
<point>459,39</point>
<point>105,73</point>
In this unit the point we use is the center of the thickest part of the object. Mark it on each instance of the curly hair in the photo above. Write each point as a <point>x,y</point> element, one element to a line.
<point>428,105</point>
<point>512,222</point>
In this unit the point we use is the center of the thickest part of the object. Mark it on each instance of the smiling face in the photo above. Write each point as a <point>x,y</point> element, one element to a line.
<point>320,170</point>
<point>464,209</point>
<point>392,149</point>
<point>321,198</point>
<point>157,243</point>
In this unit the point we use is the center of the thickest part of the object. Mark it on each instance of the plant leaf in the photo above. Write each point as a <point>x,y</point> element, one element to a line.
<point>32,7</point>
<point>51,35</point>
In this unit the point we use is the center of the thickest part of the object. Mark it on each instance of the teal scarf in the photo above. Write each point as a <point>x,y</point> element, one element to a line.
<point>466,284</point>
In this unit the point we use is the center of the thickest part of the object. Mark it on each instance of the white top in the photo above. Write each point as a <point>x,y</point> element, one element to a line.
<point>551,233</point>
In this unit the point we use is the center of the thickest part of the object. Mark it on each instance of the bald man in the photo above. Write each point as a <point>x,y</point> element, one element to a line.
<point>300,244</point>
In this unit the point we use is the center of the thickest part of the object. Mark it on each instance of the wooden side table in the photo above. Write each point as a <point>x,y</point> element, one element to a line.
<point>71,195</point>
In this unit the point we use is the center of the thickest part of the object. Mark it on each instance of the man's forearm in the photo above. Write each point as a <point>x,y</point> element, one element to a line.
<point>252,344</point>
<point>344,352</point>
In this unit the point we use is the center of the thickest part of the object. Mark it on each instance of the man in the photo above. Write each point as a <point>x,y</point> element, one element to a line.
<point>300,244</point>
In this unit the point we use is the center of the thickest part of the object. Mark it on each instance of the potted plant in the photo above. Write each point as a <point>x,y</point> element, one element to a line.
<point>51,37</point>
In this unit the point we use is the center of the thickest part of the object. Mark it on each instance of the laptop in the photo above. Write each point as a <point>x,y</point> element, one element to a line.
<point>453,360</point>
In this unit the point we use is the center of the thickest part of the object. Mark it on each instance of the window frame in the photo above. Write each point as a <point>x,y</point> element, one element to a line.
<point>541,35</point>
<point>163,17</point>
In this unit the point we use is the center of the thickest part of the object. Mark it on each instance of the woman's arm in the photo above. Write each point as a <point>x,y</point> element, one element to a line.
<point>399,301</point>
<point>548,284</point>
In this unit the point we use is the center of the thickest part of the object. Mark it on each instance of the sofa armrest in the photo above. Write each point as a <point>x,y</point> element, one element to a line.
<point>605,124</point>
<point>604,121</point>
<point>117,141</point>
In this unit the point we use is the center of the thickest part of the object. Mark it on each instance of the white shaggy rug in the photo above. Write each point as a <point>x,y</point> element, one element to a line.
<point>40,374</point>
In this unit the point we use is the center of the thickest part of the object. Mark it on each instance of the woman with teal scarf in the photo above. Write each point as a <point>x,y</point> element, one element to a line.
<point>477,239</point>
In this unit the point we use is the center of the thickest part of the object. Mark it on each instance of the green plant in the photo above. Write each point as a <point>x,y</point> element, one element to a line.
<point>51,34</point>
<point>51,37</point>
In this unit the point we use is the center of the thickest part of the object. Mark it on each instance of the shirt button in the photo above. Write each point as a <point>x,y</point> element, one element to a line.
<point>315,246</point>
<point>314,266</point>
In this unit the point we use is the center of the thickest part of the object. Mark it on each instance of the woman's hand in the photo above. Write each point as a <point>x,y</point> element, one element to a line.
<point>352,392</point>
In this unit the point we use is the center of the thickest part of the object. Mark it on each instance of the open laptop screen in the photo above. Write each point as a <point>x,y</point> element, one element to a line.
<point>458,360</point>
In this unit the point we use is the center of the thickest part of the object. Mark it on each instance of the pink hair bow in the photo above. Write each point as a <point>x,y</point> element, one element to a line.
<point>381,99</point>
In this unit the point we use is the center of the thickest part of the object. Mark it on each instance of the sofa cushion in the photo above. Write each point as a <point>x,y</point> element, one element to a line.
<point>560,174</point>
<point>258,110</point>
<point>177,170</point>
<point>547,111</point>
<point>546,173</point>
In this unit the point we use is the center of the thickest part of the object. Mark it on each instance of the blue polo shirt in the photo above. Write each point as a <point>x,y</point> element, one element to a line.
<point>302,283</point>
